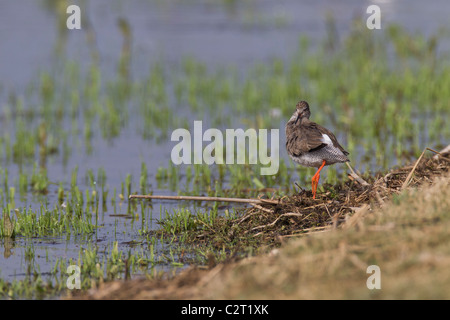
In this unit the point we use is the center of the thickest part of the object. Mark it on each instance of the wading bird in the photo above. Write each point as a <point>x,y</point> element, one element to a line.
<point>310,144</point>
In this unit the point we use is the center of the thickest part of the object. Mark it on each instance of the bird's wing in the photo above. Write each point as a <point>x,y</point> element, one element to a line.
<point>313,136</point>
<point>303,139</point>
<point>332,137</point>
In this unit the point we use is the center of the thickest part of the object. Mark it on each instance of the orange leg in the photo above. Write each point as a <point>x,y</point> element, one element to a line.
<point>315,180</point>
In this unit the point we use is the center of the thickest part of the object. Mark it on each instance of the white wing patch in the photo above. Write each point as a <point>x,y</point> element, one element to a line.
<point>326,139</point>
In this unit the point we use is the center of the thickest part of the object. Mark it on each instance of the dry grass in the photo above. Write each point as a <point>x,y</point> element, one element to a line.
<point>406,233</point>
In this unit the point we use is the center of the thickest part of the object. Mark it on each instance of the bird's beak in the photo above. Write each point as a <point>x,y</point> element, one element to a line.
<point>298,117</point>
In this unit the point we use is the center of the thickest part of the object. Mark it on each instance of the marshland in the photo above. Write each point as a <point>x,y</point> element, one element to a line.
<point>86,118</point>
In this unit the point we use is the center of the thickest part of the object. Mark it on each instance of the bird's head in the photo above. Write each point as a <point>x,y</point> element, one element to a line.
<point>302,111</point>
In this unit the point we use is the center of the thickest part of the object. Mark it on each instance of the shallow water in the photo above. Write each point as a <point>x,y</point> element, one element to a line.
<point>238,33</point>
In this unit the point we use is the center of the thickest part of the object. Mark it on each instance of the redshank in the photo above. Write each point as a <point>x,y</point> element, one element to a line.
<point>310,144</point>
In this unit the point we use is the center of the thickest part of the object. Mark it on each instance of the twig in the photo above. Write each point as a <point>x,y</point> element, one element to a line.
<point>446,149</point>
<point>253,213</point>
<point>246,217</point>
<point>316,205</point>
<point>276,220</point>
<point>198,198</point>
<point>355,176</point>
<point>408,178</point>
<point>262,208</point>
<point>300,188</point>
<point>328,211</point>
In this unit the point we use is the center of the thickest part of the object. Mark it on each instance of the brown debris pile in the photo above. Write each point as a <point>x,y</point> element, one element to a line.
<point>300,214</point>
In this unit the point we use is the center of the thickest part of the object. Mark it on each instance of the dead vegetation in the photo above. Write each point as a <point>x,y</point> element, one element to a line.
<point>300,214</point>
